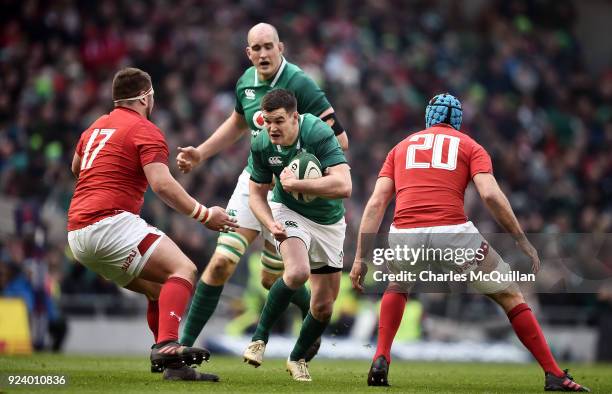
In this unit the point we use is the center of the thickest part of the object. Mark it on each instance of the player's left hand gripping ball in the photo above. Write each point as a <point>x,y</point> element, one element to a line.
<point>287,179</point>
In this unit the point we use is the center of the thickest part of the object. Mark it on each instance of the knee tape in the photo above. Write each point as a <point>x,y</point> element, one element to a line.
<point>232,246</point>
<point>272,262</point>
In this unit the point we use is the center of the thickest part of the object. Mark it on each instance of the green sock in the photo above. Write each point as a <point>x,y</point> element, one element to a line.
<point>203,305</point>
<point>276,303</point>
<point>311,330</point>
<point>301,299</point>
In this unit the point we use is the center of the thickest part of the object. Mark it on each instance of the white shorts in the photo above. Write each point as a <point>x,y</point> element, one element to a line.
<point>459,237</point>
<point>324,242</point>
<point>116,247</point>
<point>238,206</point>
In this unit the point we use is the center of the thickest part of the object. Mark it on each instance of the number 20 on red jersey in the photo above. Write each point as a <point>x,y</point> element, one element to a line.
<point>435,142</point>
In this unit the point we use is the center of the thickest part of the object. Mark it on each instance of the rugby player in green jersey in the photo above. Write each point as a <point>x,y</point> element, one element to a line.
<point>270,70</point>
<point>308,235</point>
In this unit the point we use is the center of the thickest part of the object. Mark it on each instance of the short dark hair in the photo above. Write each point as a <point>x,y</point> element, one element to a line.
<point>130,82</point>
<point>279,98</point>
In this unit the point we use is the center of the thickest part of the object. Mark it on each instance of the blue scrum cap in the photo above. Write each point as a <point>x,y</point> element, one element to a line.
<point>444,108</point>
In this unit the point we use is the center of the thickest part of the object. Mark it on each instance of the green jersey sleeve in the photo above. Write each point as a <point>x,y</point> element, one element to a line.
<point>260,173</point>
<point>238,107</point>
<point>328,150</point>
<point>310,98</point>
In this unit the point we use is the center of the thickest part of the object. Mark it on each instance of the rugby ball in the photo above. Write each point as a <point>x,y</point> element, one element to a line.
<point>305,166</point>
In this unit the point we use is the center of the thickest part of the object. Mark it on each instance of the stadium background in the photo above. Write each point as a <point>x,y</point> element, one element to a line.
<point>535,79</point>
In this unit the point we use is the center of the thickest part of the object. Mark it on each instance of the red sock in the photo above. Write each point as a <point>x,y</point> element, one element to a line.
<point>391,312</point>
<point>173,300</point>
<point>153,317</point>
<point>529,332</point>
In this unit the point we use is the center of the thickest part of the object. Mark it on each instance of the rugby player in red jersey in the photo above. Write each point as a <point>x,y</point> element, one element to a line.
<point>116,158</point>
<point>428,173</point>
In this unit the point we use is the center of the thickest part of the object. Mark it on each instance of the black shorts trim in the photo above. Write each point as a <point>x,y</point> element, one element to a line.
<point>260,182</point>
<point>327,269</point>
<point>292,236</point>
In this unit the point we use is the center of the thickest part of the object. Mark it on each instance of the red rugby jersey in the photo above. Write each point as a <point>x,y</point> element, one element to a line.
<point>113,151</point>
<point>431,170</point>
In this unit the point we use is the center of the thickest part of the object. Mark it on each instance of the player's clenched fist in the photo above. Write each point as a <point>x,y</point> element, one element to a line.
<point>287,179</point>
<point>278,231</point>
<point>220,221</point>
<point>188,158</point>
<point>358,274</point>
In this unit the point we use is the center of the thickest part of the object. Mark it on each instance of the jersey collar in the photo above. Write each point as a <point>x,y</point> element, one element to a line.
<point>443,125</point>
<point>298,146</point>
<point>128,109</point>
<point>276,77</point>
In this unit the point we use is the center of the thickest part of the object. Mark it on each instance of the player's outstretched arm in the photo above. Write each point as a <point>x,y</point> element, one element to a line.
<point>334,185</point>
<point>172,193</point>
<point>258,202</point>
<point>497,203</point>
<point>370,223</point>
<point>226,135</point>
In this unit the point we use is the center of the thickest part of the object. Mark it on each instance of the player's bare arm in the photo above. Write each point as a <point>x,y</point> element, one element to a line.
<point>336,183</point>
<point>258,201</point>
<point>343,141</point>
<point>172,193</point>
<point>225,136</point>
<point>370,223</point>
<point>497,203</point>
<point>76,164</point>
<point>329,117</point>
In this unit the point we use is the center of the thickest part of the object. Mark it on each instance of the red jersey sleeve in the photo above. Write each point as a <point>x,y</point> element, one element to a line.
<point>480,161</point>
<point>388,168</point>
<point>150,145</point>
<point>79,147</point>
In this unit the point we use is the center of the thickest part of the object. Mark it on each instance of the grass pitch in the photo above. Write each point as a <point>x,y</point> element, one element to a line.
<point>104,374</point>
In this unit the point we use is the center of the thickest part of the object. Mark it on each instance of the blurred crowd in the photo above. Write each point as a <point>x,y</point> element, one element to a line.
<point>517,66</point>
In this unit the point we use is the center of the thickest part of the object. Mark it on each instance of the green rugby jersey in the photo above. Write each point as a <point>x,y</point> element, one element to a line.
<point>315,137</point>
<point>250,91</point>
